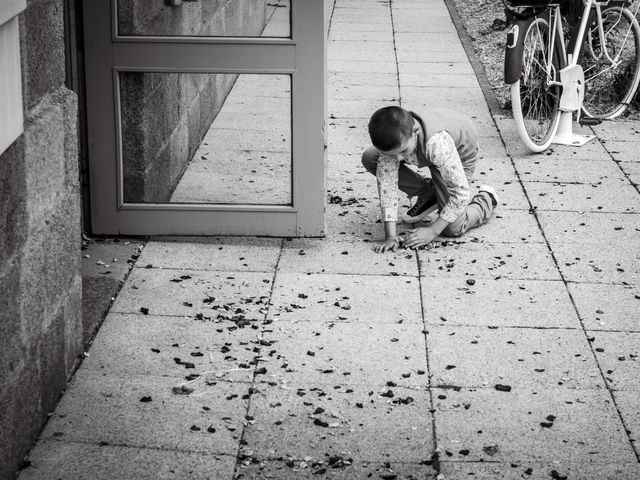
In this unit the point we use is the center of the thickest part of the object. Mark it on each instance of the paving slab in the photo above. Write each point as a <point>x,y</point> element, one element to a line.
<point>173,346</point>
<point>432,95</point>
<point>505,303</point>
<point>346,172</point>
<point>618,354</point>
<point>487,260</point>
<point>345,50</point>
<point>344,168</point>
<point>349,136</point>
<point>355,79</point>
<point>347,298</point>
<point>632,171</point>
<point>426,25</point>
<point>585,262</point>
<point>334,468</point>
<point>263,85</point>
<point>494,169</point>
<point>580,426</point>
<point>358,193</point>
<point>518,357</point>
<point>357,108</point>
<point>610,196</point>
<point>607,307</point>
<point>239,120</point>
<point>617,130</point>
<point>492,149</point>
<point>434,68</point>
<point>210,165</point>
<point>585,227</point>
<point>568,170</point>
<point>345,353</point>
<point>355,422</point>
<point>382,35</point>
<point>356,181</point>
<point>627,404</point>
<point>427,39</point>
<point>412,51</point>
<point>82,461</point>
<point>212,253</point>
<point>539,471</point>
<point>341,25</point>
<point>209,295</point>
<point>227,139</point>
<point>260,183</point>
<point>416,13</point>
<point>350,23</point>
<point>623,151</point>
<point>354,15</point>
<point>454,80</point>
<point>461,99</point>
<point>96,407</point>
<point>259,106</point>
<point>345,223</point>
<point>319,256</point>
<point>364,92</point>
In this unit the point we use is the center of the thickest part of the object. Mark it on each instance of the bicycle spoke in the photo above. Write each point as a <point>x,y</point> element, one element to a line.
<point>611,68</point>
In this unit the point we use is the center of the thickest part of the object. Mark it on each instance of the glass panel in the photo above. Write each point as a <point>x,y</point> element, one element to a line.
<point>206,138</point>
<point>205,18</point>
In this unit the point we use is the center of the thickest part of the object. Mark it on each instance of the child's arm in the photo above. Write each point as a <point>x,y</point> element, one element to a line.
<point>387,176</point>
<point>444,156</point>
<point>391,239</point>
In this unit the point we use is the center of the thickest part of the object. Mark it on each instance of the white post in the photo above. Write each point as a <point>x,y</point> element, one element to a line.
<point>573,84</point>
<point>565,134</point>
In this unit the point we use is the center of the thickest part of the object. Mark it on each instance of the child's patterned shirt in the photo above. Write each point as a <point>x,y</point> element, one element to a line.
<point>442,154</point>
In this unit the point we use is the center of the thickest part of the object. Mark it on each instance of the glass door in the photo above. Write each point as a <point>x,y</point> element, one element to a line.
<point>206,117</point>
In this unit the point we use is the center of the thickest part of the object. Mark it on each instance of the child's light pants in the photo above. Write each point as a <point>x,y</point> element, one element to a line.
<point>477,212</point>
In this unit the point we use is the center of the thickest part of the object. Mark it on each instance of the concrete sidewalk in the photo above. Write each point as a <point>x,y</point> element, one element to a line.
<point>509,353</point>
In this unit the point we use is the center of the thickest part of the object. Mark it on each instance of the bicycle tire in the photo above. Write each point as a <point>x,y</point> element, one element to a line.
<point>608,90</point>
<point>534,101</point>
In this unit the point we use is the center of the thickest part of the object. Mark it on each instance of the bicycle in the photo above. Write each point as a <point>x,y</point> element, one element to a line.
<point>556,65</point>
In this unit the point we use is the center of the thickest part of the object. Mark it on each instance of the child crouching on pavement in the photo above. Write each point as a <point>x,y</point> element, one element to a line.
<point>446,142</point>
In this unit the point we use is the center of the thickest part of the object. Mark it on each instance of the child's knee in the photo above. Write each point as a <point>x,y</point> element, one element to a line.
<point>370,159</point>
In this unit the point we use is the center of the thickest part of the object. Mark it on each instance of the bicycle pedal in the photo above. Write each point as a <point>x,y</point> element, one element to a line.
<point>590,121</point>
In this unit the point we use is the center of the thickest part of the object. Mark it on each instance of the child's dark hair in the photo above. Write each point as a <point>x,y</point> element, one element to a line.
<point>389,126</point>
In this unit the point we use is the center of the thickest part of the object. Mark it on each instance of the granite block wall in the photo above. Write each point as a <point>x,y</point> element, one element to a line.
<point>40,284</point>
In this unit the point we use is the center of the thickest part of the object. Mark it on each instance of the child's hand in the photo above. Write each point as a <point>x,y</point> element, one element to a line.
<point>419,237</point>
<point>389,244</point>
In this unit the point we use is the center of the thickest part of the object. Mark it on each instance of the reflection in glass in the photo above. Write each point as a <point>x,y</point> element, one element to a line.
<point>206,138</point>
<point>205,18</point>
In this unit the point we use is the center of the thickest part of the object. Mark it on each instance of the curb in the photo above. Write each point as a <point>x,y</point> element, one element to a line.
<point>476,64</point>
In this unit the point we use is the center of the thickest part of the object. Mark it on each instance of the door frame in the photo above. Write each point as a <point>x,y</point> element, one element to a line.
<point>302,56</point>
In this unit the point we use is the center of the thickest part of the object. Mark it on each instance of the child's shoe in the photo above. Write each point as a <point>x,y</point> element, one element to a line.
<point>492,192</point>
<point>420,210</point>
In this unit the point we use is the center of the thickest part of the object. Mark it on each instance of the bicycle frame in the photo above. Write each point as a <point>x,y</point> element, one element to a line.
<point>571,52</point>
<point>558,64</point>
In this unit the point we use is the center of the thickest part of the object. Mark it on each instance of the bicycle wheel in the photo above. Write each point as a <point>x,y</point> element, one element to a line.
<point>610,86</point>
<point>535,98</point>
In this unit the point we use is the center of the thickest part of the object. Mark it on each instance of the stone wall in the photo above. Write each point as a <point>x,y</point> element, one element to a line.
<point>40,284</point>
<point>165,116</point>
